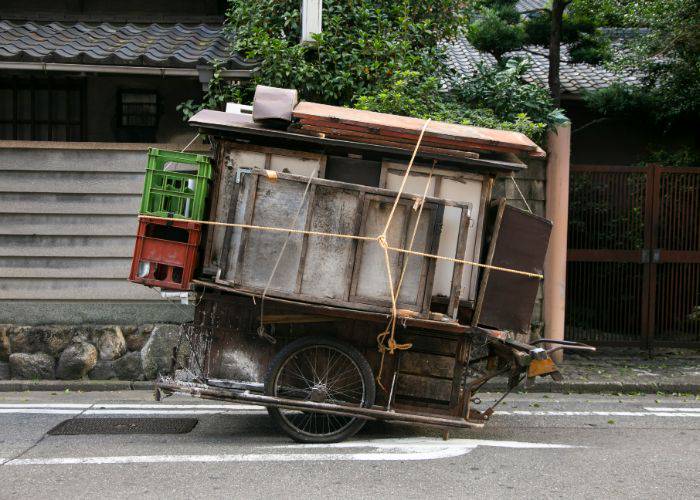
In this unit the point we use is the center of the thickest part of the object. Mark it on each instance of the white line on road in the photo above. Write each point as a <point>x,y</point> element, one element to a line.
<point>687,413</point>
<point>126,405</point>
<point>674,409</point>
<point>37,411</point>
<point>379,450</point>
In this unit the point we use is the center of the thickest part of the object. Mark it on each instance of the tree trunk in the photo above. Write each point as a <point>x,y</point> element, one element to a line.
<point>558,7</point>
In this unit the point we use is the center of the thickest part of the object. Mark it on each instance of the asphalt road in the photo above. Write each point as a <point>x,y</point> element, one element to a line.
<point>556,446</point>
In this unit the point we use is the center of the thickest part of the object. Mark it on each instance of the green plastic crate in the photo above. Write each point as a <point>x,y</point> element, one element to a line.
<point>175,194</point>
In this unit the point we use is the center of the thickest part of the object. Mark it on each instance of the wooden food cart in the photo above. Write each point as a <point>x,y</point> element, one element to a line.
<point>346,274</point>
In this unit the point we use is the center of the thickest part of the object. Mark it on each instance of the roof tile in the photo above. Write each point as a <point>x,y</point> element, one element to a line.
<point>152,44</point>
<point>575,78</point>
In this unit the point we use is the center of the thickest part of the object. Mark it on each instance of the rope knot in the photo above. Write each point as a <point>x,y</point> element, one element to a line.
<point>381,239</point>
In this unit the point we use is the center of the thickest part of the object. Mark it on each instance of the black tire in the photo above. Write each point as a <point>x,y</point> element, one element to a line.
<point>310,427</point>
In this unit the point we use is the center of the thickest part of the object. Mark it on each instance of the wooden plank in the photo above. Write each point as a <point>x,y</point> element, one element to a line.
<point>251,181</point>
<point>276,204</point>
<point>311,196</point>
<point>68,225</point>
<point>328,272</point>
<point>83,183</point>
<point>427,365</point>
<point>65,267</point>
<point>423,387</point>
<point>433,249</point>
<point>495,227</point>
<point>385,134</point>
<point>464,151</point>
<point>513,140</point>
<point>75,289</point>
<point>66,246</point>
<point>458,267</point>
<point>61,203</point>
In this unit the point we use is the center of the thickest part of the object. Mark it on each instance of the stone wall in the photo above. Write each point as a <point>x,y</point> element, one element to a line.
<point>99,352</point>
<point>532,184</point>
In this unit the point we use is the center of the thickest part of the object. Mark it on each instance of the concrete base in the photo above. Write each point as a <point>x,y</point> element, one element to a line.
<point>75,313</point>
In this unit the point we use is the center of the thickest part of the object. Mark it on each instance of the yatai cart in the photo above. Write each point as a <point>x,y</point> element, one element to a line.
<point>344,275</point>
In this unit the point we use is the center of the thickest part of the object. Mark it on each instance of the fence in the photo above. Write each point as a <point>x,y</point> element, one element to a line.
<point>633,272</point>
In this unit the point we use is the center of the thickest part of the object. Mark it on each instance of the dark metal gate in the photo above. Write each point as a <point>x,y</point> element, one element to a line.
<point>633,264</point>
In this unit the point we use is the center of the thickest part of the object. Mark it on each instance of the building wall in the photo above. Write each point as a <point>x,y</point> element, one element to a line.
<point>67,226</point>
<point>102,98</point>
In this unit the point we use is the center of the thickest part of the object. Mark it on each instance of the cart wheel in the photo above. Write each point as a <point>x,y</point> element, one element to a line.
<point>321,370</point>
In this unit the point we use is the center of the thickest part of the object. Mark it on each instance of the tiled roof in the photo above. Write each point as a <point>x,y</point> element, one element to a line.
<point>575,78</point>
<point>531,5</point>
<point>159,45</point>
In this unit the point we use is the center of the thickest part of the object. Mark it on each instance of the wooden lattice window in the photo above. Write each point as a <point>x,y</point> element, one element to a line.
<point>138,108</point>
<point>42,109</point>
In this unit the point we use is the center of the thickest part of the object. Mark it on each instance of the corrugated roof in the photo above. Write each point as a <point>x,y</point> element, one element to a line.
<point>159,45</point>
<point>575,78</point>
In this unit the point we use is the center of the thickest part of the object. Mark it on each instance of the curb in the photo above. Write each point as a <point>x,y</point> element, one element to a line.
<point>540,387</point>
<point>74,385</point>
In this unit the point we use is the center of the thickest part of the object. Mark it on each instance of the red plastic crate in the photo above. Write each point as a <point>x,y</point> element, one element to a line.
<point>165,254</point>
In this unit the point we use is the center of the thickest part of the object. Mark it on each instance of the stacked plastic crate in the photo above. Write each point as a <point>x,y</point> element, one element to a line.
<point>174,194</point>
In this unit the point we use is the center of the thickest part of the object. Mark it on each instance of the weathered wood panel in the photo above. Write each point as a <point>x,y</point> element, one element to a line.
<point>330,259</point>
<point>356,271</point>
<point>235,156</point>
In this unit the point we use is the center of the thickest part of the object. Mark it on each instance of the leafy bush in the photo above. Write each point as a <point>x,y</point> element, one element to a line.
<point>381,55</point>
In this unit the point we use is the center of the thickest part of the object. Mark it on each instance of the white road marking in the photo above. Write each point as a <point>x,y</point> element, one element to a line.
<point>544,413</point>
<point>379,450</point>
<point>126,405</point>
<point>674,409</point>
<point>37,411</point>
<point>126,409</point>
<point>418,443</point>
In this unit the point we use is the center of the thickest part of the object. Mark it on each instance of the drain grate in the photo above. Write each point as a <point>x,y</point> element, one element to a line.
<point>78,426</point>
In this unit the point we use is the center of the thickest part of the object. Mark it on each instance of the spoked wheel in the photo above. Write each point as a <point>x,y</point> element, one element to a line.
<point>321,370</point>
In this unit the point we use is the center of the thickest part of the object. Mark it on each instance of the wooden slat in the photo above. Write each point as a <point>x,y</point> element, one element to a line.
<point>75,289</point>
<point>426,146</point>
<point>47,160</point>
<point>71,182</point>
<point>66,246</point>
<point>64,267</point>
<point>45,203</point>
<point>68,225</point>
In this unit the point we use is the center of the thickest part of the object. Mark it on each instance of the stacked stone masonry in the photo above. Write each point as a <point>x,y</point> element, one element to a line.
<point>100,352</point>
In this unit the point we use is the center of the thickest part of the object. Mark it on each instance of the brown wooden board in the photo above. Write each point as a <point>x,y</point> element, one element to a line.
<point>516,240</point>
<point>514,141</point>
<point>463,151</point>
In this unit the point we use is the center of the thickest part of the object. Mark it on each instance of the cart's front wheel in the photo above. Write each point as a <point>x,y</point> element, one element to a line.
<point>320,370</point>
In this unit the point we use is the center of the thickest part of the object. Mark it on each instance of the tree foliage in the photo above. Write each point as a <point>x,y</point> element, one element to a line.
<point>663,49</point>
<point>500,29</point>
<point>384,55</point>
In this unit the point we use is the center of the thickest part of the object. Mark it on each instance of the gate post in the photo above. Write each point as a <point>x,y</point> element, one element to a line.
<point>557,202</point>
